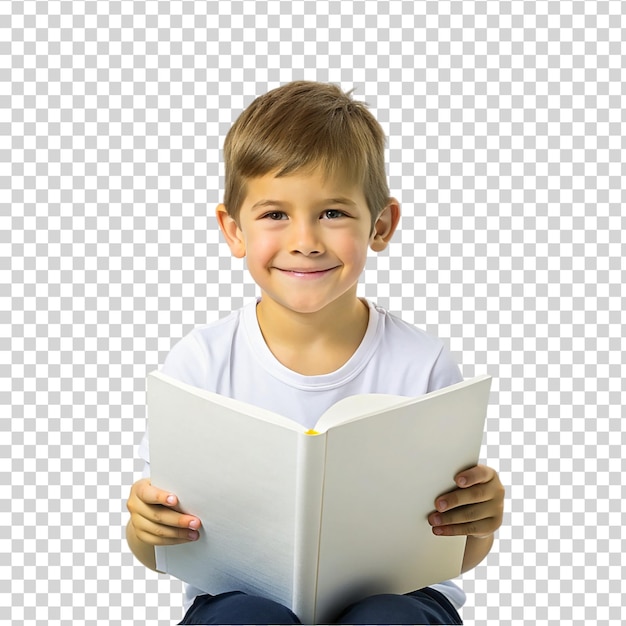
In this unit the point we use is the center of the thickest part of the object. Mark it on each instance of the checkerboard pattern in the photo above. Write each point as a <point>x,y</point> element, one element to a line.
<point>506,149</point>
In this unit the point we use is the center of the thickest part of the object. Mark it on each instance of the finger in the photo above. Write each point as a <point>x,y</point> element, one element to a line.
<point>463,515</point>
<point>474,476</point>
<point>150,507</point>
<point>159,514</point>
<point>480,528</point>
<point>163,522</point>
<point>167,516</point>
<point>163,535</point>
<point>150,494</point>
<point>481,492</point>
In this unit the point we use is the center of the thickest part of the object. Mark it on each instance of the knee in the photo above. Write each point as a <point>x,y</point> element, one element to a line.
<point>238,608</point>
<point>383,609</point>
<point>372,610</point>
<point>245,609</point>
<point>413,608</point>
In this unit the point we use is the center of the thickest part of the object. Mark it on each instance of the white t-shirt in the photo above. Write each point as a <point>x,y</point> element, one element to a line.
<point>230,357</point>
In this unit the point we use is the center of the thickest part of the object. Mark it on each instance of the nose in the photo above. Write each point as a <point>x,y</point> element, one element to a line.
<point>306,238</point>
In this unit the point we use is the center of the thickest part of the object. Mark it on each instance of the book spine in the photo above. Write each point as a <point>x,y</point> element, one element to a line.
<point>160,555</point>
<point>308,518</point>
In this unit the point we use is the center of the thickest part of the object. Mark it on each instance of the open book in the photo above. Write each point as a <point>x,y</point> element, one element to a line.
<point>313,519</point>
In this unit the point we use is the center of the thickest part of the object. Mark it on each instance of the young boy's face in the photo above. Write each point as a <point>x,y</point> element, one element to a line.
<point>305,239</point>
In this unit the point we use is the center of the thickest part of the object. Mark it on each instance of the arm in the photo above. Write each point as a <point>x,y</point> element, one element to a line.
<point>475,509</point>
<point>476,549</point>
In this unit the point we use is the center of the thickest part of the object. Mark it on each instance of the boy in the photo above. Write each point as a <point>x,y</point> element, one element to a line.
<point>306,196</point>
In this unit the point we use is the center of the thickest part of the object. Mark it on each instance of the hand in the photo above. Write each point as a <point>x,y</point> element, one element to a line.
<point>475,509</point>
<point>155,518</point>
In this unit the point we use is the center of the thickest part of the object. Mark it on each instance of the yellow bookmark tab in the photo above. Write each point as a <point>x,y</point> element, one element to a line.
<point>311,432</point>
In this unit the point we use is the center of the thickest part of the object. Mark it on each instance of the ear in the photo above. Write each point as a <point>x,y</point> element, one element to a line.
<point>385,225</point>
<point>231,231</point>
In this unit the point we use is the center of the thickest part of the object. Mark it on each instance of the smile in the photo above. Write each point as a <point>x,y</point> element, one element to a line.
<point>306,274</point>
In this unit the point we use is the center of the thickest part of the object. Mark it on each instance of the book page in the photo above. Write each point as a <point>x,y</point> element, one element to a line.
<point>358,407</point>
<point>240,484</point>
<point>383,474</point>
<point>243,408</point>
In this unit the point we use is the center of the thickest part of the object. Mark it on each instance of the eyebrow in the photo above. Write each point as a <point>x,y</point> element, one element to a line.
<point>277,203</point>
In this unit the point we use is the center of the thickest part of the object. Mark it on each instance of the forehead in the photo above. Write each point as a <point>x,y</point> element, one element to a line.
<point>312,187</point>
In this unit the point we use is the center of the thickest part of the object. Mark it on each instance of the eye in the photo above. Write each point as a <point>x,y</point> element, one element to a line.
<point>333,214</point>
<point>274,216</point>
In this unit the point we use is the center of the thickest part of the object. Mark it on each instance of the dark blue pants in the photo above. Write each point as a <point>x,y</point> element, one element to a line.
<point>425,606</point>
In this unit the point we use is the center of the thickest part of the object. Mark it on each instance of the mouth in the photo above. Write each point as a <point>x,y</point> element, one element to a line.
<point>306,273</point>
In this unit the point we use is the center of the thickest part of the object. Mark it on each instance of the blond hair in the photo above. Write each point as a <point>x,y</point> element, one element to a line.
<point>306,126</point>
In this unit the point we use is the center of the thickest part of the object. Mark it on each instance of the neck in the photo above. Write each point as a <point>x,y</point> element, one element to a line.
<point>328,337</point>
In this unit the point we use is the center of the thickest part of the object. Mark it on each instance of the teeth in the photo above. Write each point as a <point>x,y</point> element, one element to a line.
<point>304,272</point>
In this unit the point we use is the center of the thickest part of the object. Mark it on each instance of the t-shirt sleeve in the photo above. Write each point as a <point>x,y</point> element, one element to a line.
<point>445,371</point>
<point>144,455</point>
<point>186,362</point>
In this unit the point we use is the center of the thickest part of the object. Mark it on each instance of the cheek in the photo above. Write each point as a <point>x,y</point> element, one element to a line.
<point>360,259</point>
<point>355,250</point>
<point>259,249</point>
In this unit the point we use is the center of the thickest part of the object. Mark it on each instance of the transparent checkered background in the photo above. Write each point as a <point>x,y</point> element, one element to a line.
<point>506,149</point>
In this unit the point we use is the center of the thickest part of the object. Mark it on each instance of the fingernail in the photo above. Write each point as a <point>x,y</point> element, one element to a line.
<point>194,524</point>
<point>193,535</point>
<point>462,482</point>
<point>443,505</point>
<point>437,520</point>
<point>438,531</point>
<point>171,499</point>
